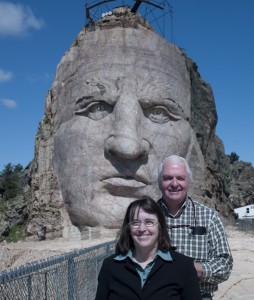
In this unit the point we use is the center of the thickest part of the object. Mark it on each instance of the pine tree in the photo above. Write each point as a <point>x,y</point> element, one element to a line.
<point>10,181</point>
<point>233,157</point>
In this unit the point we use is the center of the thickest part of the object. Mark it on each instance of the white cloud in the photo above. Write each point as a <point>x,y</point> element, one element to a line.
<point>5,75</point>
<point>8,103</point>
<point>17,19</point>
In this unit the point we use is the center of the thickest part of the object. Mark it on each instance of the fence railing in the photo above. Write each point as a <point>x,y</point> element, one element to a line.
<point>245,224</point>
<point>71,276</point>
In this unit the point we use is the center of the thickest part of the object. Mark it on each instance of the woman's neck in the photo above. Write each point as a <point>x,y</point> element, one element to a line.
<point>144,256</point>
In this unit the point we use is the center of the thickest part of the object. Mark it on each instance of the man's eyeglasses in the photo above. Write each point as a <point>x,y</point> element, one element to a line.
<point>195,230</point>
<point>147,223</point>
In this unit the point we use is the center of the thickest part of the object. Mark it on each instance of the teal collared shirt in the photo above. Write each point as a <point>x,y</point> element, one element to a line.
<point>143,273</point>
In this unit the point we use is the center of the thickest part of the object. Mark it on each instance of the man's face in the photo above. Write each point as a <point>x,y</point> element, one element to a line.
<point>174,184</point>
<point>117,125</point>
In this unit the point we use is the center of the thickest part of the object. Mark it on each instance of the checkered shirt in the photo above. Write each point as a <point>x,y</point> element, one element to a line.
<point>211,249</point>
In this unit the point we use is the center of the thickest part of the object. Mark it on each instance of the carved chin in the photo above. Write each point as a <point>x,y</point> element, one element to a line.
<point>80,217</point>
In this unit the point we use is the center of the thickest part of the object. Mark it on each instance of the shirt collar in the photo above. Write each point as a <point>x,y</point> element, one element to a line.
<point>167,213</point>
<point>164,255</point>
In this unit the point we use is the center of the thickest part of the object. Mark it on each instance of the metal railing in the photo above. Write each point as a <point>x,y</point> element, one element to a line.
<point>71,276</point>
<point>245,224</point>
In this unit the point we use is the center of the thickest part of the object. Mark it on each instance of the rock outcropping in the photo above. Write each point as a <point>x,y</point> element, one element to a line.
<point>240,180</point>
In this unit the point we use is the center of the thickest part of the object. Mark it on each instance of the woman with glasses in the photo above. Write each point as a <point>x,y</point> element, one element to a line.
<point>145,265</point>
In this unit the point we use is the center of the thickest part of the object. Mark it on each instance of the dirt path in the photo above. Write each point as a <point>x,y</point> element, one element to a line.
<point>14,255</point>
<point>240,284</point>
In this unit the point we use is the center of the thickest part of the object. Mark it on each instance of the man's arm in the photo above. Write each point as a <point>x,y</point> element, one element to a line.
<point>219,264</point>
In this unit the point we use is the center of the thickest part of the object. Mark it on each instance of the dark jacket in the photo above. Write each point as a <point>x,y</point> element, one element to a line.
<point>168,280</point>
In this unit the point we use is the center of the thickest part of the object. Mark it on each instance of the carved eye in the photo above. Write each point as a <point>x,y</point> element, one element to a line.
<point>95,110</point>
<point>160,114</point>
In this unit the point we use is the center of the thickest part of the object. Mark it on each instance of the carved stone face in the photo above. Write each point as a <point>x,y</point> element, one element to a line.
<point>120,114</point>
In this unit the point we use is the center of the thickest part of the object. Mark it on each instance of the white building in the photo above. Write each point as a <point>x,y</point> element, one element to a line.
<point>245,212</point>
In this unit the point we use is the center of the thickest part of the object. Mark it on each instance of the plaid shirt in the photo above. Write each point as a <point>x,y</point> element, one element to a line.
<point>211,249</point>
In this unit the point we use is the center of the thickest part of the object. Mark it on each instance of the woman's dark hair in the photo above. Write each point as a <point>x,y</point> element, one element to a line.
<point>125,242</point>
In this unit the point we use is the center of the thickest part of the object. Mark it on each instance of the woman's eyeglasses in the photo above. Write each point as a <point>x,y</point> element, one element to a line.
<point>147,223</point>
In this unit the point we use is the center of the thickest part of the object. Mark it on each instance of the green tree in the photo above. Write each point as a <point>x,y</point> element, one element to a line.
<point>233,157</point>
<point>10,180</point>
<point>18,168</point>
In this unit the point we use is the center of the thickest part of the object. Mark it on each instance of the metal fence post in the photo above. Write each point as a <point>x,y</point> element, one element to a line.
<point>70,278</point>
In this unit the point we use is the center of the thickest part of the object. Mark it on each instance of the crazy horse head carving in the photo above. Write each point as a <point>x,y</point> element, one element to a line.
<point>122,101</point>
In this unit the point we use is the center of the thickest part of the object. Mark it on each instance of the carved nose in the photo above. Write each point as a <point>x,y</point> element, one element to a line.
<point>126,140</point>
<point>126,147</point>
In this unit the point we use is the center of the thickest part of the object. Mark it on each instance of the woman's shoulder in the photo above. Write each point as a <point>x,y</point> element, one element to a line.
<point>183,263</point>
<point>181,257</point>
<point>115,258</point>
<point>111,257</point>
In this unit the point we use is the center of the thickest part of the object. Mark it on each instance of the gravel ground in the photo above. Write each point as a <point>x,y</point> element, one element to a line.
<point>240,284</point>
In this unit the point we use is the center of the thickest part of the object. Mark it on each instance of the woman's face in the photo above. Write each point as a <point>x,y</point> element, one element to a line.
<point>145,230</point>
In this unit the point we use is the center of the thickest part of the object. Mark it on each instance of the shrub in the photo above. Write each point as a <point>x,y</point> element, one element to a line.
<point>16,234</point>
<point>233,157</point>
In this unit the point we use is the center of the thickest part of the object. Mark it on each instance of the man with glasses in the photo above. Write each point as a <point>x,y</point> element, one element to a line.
<point>195,229</point>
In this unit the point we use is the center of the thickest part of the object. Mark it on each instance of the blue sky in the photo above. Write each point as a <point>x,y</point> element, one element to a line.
<point>34,34</point>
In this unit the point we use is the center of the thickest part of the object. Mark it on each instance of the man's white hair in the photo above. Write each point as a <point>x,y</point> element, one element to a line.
<point>175,159</point>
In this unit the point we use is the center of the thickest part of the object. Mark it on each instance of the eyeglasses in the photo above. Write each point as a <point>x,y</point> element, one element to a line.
<point>147,223</point>
<point>195,230</point>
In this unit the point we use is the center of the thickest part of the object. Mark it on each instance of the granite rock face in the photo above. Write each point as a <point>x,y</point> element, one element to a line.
<point>241,183</point>
<point>121,56</point>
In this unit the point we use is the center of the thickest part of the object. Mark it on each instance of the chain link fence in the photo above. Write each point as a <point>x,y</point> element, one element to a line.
<point>71,276</point>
